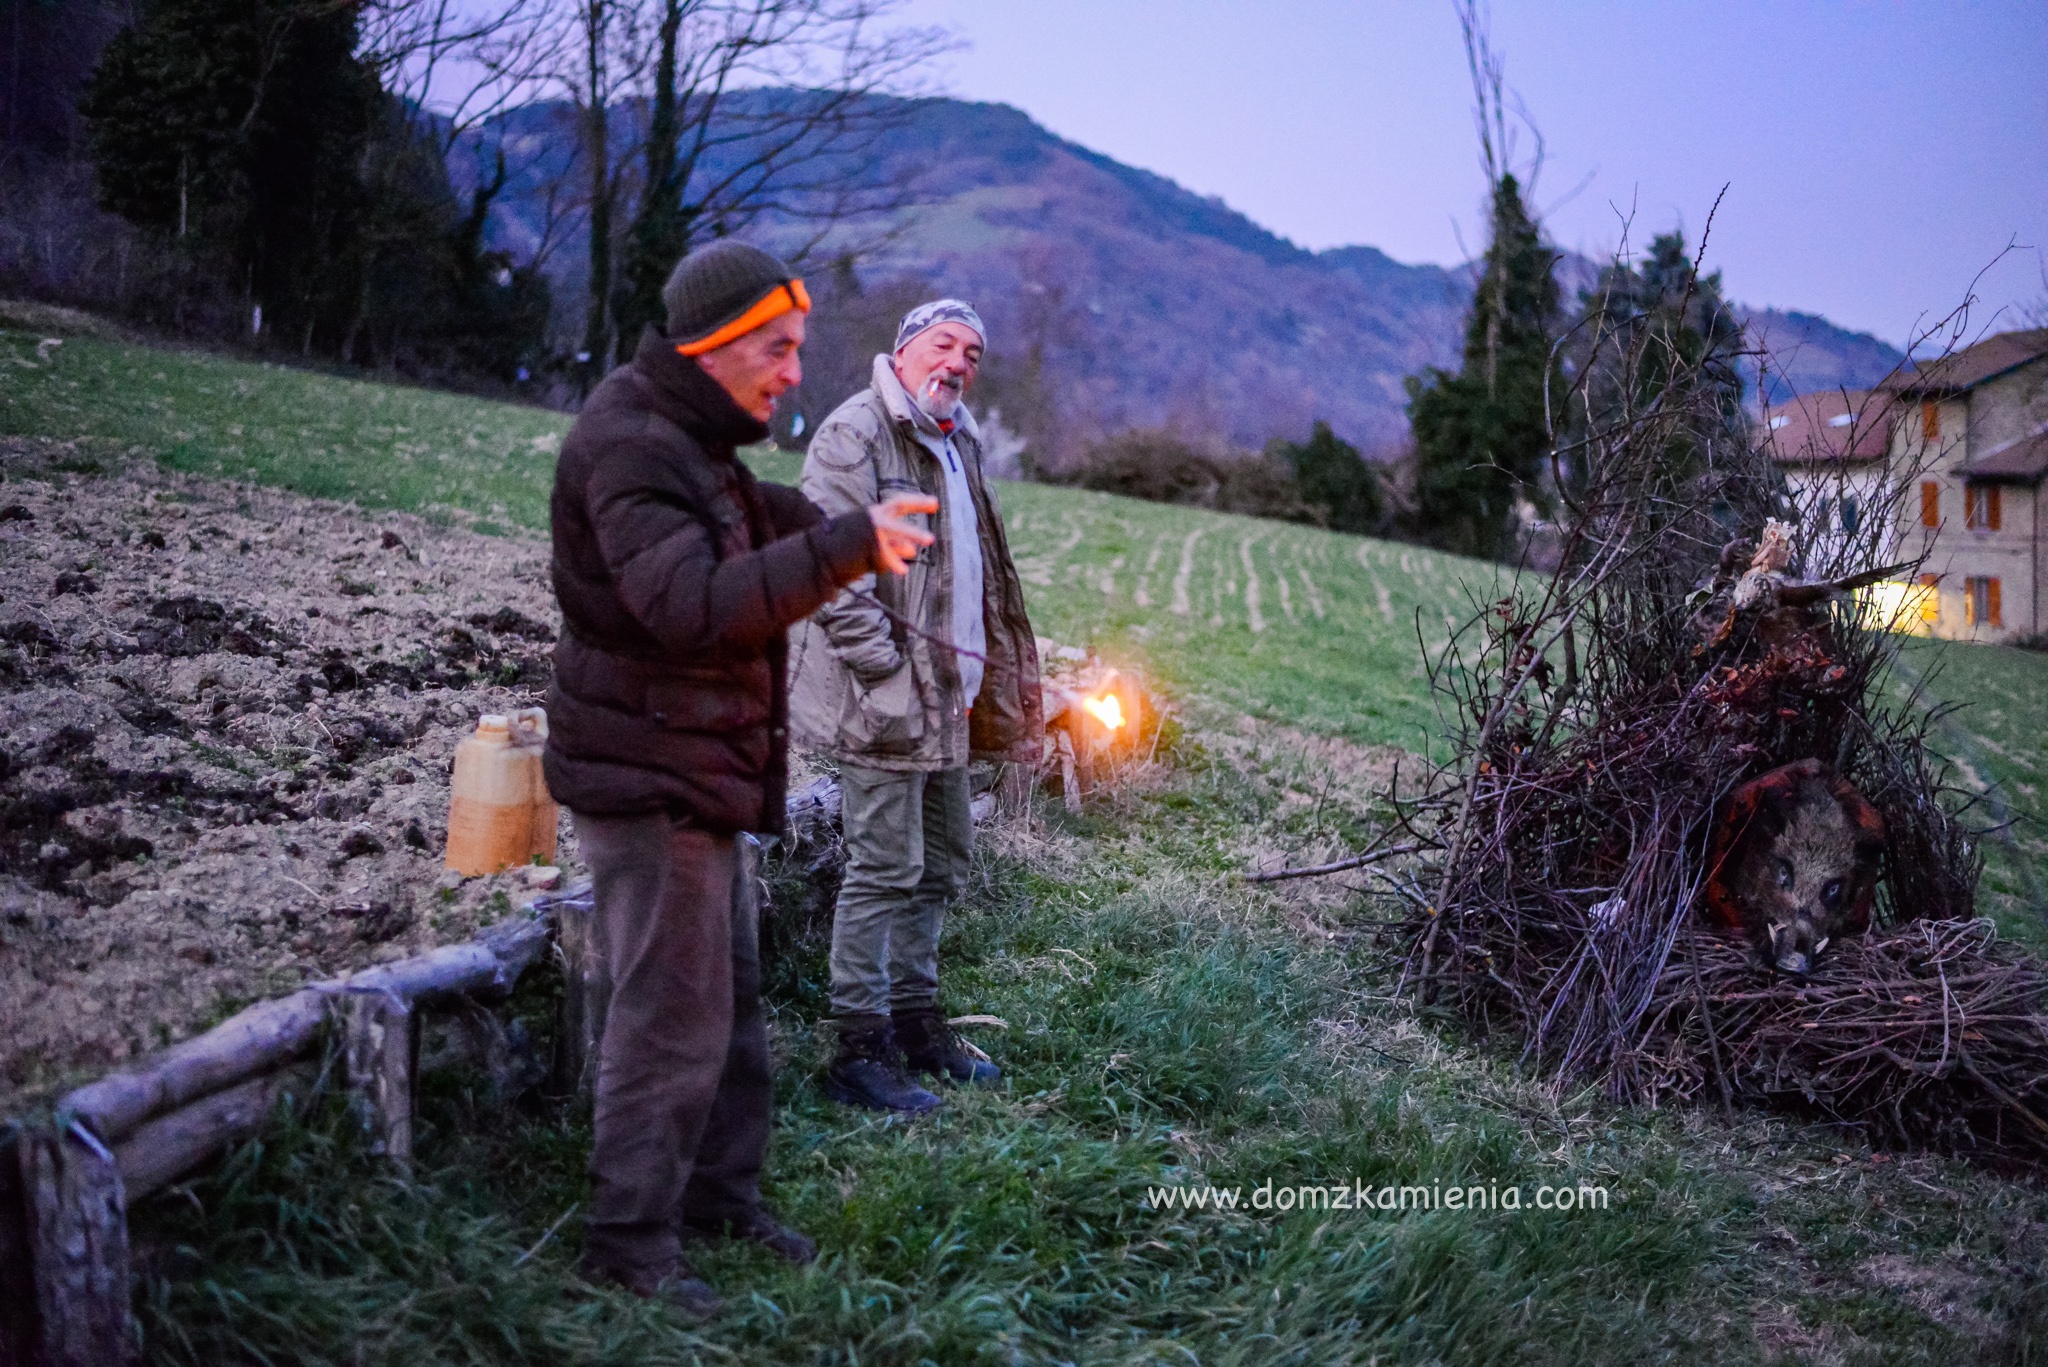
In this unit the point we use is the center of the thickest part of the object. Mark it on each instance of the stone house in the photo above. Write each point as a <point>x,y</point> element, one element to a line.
<point>1955,451</point>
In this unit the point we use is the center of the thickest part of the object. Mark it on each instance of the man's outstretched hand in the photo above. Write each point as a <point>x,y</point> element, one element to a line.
<point>896,536</point>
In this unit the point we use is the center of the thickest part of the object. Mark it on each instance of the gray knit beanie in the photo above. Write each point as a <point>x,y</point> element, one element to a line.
<point>714,286</point>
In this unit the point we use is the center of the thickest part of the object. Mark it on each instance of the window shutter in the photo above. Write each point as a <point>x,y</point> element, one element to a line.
<point>1930,420</point>
<point>1991,510</point>
<point>1930,504</point>
<point>1992,615</point>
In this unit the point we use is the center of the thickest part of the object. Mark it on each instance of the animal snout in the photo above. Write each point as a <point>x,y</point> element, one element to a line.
<point>1795,946</point>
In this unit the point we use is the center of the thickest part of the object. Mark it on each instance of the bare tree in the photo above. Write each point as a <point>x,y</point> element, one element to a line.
<point>456,66</point>
<point>762,111</point>
<point>1490,97</point>
<point>736,114</point>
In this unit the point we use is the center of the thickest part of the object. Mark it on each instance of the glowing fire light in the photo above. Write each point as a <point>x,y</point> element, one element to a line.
<point>1105,709</point>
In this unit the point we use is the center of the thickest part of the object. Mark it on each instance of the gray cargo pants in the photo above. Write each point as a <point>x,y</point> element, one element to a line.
<point>909,840</point>
<point>684,1092</point>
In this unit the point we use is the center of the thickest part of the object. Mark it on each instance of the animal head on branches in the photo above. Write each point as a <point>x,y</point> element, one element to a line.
<point>1795,863</point>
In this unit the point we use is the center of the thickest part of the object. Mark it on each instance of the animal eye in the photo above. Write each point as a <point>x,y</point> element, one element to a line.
<point>1832,893</point>
<point>1784,874</point>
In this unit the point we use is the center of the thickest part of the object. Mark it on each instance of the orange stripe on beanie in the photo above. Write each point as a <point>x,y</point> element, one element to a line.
<point>724,291</point>
<point>786,296</point>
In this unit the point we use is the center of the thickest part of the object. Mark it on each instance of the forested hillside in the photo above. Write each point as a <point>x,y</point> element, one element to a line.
<point>1142,303</point>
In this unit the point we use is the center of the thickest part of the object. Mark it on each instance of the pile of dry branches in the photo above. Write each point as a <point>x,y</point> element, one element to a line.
<point>1929,1032</point>
<point>1601,717</point>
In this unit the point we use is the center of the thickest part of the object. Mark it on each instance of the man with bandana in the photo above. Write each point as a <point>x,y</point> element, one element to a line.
<point>902,681</point>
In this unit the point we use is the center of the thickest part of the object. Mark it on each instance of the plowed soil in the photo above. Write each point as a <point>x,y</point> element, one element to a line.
<point>227,718</point>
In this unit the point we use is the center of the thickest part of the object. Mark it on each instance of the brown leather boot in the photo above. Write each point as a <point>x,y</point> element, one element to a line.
<point>869,1072</point>
<point>757,1226</point>
<point>675,1283</point>
<point>930,1046</point>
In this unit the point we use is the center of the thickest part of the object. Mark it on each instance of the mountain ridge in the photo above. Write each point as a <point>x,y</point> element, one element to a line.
<point>1144,304</point>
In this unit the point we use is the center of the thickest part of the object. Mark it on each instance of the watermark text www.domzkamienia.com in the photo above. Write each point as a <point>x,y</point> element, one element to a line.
<point>1363,1196</point>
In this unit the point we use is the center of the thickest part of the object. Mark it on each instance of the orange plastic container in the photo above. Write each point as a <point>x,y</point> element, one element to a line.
<point>499,812</point>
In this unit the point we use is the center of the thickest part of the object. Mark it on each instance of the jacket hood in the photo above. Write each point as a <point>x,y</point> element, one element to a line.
<point>902,408</point>
<point>692,399</point>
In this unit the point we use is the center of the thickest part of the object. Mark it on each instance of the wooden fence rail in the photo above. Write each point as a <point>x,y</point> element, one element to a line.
<point>68,1180</point>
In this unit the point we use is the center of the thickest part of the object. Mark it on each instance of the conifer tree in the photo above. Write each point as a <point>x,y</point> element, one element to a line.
<point>254,137</point>
<point>1482,436</point>
<point>1653,326</point>
<point>1334,480</point>
<point>236,128</point>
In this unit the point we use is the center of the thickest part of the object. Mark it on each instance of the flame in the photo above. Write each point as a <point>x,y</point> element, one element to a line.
<point>1105,709</point>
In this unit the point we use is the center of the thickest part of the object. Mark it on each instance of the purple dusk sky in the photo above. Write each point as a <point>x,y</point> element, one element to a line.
<point>1878,155</point>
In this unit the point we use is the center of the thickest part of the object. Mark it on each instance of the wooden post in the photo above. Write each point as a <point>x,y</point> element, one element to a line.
<point>78,1246</point>
<point>273,1033</point>
<point>748,895</point>
<point>1014,789</point>
<point>20,1325</point>
<point>377,1055</point>
<point>1070,778</point>
<point>586,993</point>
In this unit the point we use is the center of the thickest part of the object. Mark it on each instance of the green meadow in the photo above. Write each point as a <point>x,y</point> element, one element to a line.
<point>1165,1026</point>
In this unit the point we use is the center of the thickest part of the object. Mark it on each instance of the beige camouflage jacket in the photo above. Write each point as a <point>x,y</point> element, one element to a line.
<point>865,689</point>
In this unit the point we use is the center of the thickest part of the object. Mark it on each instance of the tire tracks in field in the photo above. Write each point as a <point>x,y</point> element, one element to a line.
<point>1142,595</point>
<point>1186,571</point>
<point>1364,557</point>
<point>1253,615</point>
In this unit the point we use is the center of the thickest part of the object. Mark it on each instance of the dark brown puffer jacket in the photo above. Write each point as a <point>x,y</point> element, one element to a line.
<point>678,574</point>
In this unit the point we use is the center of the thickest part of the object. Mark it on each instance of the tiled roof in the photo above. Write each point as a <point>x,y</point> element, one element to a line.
<point>2025,460</point>
<point>1972,366</point>
<point>1830,425</point>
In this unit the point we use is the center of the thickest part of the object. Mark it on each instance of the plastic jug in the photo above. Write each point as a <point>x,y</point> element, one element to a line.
<point>499,813</point>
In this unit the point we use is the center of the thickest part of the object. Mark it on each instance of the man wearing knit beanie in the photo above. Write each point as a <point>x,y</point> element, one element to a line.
<point>903,683</point>
<point>678,574</point>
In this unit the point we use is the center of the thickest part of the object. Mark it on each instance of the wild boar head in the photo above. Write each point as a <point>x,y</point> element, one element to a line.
<point>1795,863</point>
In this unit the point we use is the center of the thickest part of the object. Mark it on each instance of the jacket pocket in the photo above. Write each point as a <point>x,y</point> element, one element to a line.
<point>716,703</point>
<point>886,719</point>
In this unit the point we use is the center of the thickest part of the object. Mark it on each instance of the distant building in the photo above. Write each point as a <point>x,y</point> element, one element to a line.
<point>1970,433</point>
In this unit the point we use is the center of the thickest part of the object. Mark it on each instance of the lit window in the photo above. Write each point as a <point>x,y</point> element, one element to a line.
<point>1930,602</point>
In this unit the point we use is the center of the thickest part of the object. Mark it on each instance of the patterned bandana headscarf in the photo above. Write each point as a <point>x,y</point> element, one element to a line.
<point>938,311</point>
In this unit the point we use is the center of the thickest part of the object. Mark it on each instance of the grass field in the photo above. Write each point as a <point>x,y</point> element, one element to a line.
<point>1165,1026</point>
<point>1280,622</point>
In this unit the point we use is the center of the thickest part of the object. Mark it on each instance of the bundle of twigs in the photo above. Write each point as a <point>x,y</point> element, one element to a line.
<point>1601,716</point>
<point>1926,1032</point>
